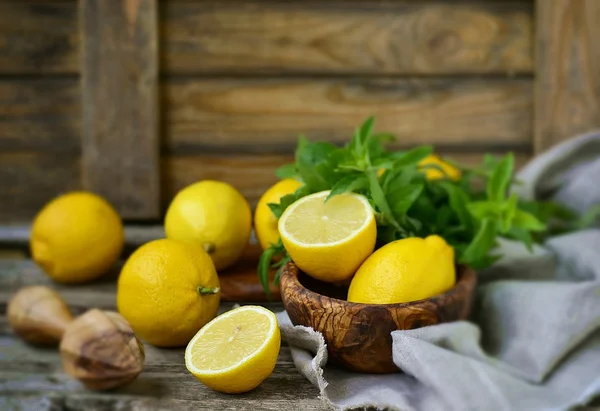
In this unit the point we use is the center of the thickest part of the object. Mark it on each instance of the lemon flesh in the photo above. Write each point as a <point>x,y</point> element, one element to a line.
<point>236,351</point>
<point>405,270</point>
<point>329,240</point>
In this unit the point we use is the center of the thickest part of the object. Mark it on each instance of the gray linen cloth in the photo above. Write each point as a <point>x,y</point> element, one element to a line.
<point>533,342</point>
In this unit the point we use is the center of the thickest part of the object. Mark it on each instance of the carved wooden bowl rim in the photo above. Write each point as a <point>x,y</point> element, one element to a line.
<point>463,287</point>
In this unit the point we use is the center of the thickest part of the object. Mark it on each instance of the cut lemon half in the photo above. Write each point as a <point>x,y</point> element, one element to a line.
<point>329,240</point>
<point>236,351</point>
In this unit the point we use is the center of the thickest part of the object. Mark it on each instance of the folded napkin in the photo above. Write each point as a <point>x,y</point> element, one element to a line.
<point>533,340</point>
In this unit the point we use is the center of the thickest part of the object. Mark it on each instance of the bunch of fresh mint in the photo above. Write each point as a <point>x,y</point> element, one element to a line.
<point>469,213</point>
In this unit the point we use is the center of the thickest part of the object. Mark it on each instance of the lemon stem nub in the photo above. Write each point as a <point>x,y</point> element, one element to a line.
<point>208,291</point>
<point>209,247</point>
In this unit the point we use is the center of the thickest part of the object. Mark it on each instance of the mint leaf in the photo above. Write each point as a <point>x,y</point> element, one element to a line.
<point>287,171</point>
<point>484,209</point>
<point>527,221</point>
<point>485,239</point>
<point>349,183</point>
<point>287,200</point>
<point>264,268</point>
<point>314,166</point>
<point>509,208</point>
<point>459,201</point>
<point>410,157</point>
<point>402,197</point>
<point>522,235</point>
<point>497,185</point>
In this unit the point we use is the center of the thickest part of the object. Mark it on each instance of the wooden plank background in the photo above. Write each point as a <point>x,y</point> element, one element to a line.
<point>240,80</point>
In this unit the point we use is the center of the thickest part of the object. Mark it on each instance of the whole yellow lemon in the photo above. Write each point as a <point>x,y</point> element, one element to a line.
<point>76,237</point>
<point>405,270</point>
<point>214,215</point>
<point>167,291</point>
<point>265,222</point>
<point>449,170</point>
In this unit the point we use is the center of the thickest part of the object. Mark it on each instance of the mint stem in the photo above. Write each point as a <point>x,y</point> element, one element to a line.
<point>208,291</point>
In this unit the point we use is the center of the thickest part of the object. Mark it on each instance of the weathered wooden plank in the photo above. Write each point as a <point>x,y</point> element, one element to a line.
<point>39,114</point>
<point>120,104</point>
<point>314,37</point>
<point>252,175</point>
<point>266,115</point>
<point>38,37</point>
<point>567,98</point>
<point>28,180</point>
<point>348,37</point>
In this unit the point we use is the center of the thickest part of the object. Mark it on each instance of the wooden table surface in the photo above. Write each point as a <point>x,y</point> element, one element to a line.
<point>32,378</point>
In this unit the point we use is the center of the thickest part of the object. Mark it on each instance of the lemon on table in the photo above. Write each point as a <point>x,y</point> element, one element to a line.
<point>449,170</point>
<point>236,351</point>
<point>265,222</point>
<point>329,240</point>
<point>404,270</point>
<point>76,237</point>
<point>167,291</point>
<point>214,215</point>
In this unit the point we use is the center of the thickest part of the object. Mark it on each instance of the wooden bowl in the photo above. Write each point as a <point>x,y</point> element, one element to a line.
<point>358,336</point>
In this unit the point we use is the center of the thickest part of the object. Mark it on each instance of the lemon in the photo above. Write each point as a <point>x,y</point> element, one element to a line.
<point>214,215</point>
<point>236,351</point>
<point>449,171</point>
<point>167,291</point>
<point>404,270</point>
<point>329,240</point>
<point>76,237</point>
<point>265,222</point>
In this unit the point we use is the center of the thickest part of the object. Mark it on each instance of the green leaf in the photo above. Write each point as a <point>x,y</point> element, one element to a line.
<point>522,235</point>
<point>443,217</point>
<point>281,264</point>
<point>380,201</point>
<point>376,144</point>
<point>410,157</point>
<point>264,268</point>
<point>497,185</point>
<point>509,208</point>
<point>314,166</point>
<point>287,200</point>
<point>402,197</point>
<point>359,142</point>
<point>349,183</point>
<point>287,171</point>
<point>365,130</point>
<point>527,221</point>
<point>485,239</point>
<point>589,217</point>
<point>459,201</point>
<point>484,209</point>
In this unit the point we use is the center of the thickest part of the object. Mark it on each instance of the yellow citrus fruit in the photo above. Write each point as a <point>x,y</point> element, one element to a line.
<point>404,270</point>
<point>167,291</point>
<point>329,240</point>
<point>265,222</point>
<point>214,215</point>
<point>77,237</point>
<point>236,351</point>
<point>449,171</point>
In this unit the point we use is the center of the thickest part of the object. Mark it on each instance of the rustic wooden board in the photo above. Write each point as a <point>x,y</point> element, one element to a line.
<point>567,98</point>
<point>120,104</point>
<point>347,37</point>
<point>38,37</point>
<point>33,377</point>
<point>40,114</point>
<point>261,36</point>
<point>28,180</point>
<point>252,175</point>
<point>266,115</point>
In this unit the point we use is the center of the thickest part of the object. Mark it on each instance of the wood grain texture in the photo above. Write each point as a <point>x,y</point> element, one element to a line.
<point>29,180</point>
<point>40,114</point>
<point>567,97</point>
<point>347,37</point>
<point>266,115</point>
<point>120,104</point>
<point>34,377</point>
<point>38,37</point>
<point>252,175</point>
<point>358,336</point>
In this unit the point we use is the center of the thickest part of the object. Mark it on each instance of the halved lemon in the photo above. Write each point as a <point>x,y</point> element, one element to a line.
<point>329,240</point>
<point>236,351</point>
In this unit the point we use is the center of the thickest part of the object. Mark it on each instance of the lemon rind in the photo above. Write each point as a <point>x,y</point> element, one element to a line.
<point>291,208</point>
<point>272,324</point>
